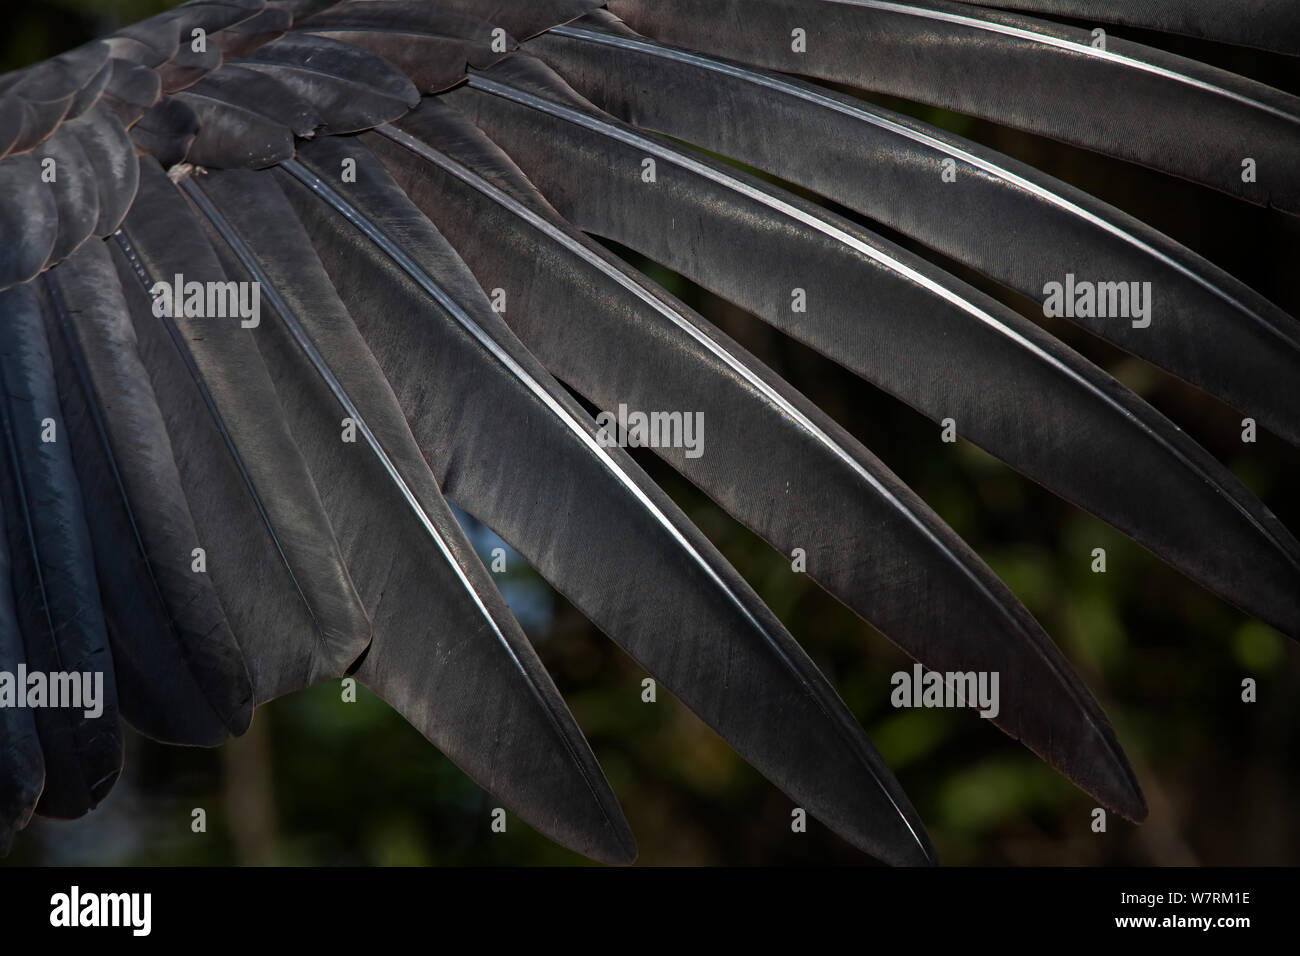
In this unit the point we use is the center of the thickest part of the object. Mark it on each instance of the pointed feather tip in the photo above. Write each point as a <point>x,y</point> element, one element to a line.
<point>917,851</point>
<point>24,803</point>
<point>1121,793</point>
<point>900,841</point>
<point>596,828</point>
<point>616,845</point>
<point>1137,812</point>
<point>1104,773</point>
<point>101,788</point>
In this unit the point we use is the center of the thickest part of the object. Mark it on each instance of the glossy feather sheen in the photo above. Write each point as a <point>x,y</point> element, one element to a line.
<point>115,168</point>
<point>271,622</point>
<point>202,530</point>
<point>223,361</point>
<point>234,137</point>
<point>1128,101</point>
<point>431,45</point>
<point>447,654</point>
<point>182,676</point>
<point>55,591</point>
<point>874,544</point>
<point>1205,326</point>
<point>249,91</point>
<point>1267,24</point>
<point>29,220</point>
<point>48,91</point>
<point>75,194</point>
<point>585,516</point>
<point>1010,387</point>
<point>352,89</point>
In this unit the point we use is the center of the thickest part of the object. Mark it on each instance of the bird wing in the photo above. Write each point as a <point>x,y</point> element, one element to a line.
<point>246,504</point>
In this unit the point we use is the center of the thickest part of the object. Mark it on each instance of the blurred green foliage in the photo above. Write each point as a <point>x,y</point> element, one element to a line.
<point>319,781</point>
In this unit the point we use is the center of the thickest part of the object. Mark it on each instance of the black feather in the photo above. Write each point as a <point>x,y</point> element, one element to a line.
<point>352,89</point>
<point>870,541</point>
<point>11,121</point>
<point>447,654</point>
<point>131,90</point>
<point>1266,24</point>
<point>115,168</point>
<point>166,131</point>
<point>1126,100</point>
<point>180,672</point>
<point>1204,326</point>
<point>29,219</point>
<point>259,93</point>
<point>523,18</point>
<point>429,44</point>
<point>231,136</point>
<point>48,90</point>
<point>76,195</point>
<point>56,597</point>
<point>229,380</point>
<point>1009,386</point>
<point>528,461</point>
<point>244,37</point>
<point>23,775</point>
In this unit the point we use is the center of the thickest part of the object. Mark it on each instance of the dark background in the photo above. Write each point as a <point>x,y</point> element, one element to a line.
<point>317,781</point>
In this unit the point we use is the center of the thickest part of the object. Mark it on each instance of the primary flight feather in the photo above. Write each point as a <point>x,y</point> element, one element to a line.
<point>374,170</point>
